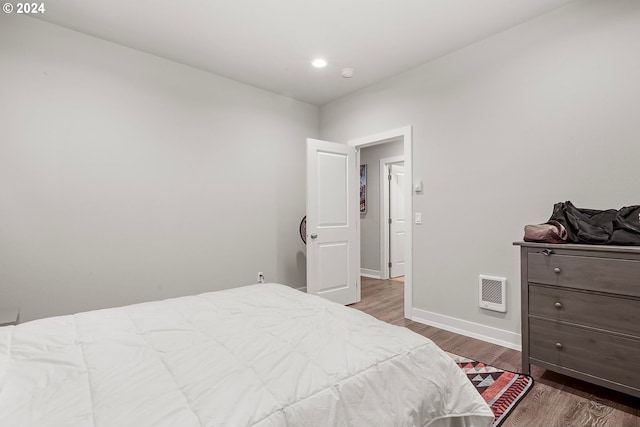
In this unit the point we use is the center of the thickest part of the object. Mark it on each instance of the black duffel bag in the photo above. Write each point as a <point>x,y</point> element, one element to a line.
<point>626,227</point>
<point>599,227</point>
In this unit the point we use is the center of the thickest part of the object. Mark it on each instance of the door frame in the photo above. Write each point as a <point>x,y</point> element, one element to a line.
<point>385,230</point>
<point>404,133</point>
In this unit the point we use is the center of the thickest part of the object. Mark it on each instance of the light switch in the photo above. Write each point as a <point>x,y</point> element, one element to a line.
<point>418,217</point>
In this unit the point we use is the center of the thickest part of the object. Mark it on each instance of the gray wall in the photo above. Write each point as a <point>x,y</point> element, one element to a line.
<point>125,177</point>
<point>544,112</point>
<point>370,222</point>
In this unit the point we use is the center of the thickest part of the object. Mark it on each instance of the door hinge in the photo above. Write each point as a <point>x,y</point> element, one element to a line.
<point>389,177</point>
<point>389,220</point>
<point>390,264</point>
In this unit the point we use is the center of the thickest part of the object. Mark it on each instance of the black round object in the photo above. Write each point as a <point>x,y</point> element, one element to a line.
<point>303,229</point>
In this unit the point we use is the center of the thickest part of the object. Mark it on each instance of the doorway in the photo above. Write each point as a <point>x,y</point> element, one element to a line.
<point>402,138</point>
<point>374,231</point>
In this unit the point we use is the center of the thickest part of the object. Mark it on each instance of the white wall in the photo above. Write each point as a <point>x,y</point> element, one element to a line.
<point>370,221</point>
<point>544,112</point>
<point>125,177</point>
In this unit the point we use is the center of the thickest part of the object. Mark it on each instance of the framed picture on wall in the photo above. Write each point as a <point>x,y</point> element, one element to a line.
<point>363,188</point>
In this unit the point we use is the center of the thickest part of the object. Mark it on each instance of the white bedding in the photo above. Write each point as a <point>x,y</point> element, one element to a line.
<point>263,355</point>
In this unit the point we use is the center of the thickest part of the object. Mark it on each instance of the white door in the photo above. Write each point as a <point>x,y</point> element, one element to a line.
<point>333,241</point>
<point>397,226</point>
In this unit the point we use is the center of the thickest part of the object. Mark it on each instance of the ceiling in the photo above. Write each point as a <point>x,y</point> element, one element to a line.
<point>270,44</point>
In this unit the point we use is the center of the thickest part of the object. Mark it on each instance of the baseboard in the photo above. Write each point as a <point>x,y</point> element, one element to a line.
<point>469,329</point>
<point>302,289</point>
<point>372,274</point>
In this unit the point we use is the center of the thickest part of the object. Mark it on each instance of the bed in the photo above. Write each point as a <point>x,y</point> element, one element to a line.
<point>263,355</point>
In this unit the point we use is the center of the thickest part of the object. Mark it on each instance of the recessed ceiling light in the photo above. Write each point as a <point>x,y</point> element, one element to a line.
<point>319,63</point>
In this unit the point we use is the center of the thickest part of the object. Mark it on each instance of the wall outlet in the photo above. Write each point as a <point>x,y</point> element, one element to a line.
<point>260,277</point>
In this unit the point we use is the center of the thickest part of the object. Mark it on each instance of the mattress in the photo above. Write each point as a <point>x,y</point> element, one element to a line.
<point>264,355</point>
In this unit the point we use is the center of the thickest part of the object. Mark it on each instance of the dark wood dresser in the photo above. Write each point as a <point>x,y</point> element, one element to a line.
<point>581,312</point>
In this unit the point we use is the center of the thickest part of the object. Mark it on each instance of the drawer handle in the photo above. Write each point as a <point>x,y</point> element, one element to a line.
<point>558,305</point>
<point>557,270</point>
<point>559,346</point>
<point>547,252</point>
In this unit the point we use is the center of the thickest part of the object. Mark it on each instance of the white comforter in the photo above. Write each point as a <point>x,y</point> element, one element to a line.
<point>263,355</point>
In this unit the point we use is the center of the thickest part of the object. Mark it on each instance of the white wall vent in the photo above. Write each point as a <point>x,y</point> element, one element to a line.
<point>492,293</point>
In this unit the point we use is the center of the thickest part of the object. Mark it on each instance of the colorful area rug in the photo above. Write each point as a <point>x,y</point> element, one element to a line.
<point>502,390</point>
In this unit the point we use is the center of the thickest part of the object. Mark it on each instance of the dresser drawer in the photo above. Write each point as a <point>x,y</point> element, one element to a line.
<point>608,357</point>
<point>619,276</point>
<point>599,311</point>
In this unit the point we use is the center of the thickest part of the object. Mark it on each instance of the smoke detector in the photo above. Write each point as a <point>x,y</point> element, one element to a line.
<point>347,73</point>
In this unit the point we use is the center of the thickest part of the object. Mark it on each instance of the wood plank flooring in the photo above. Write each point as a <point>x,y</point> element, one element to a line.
<point>555,400</point>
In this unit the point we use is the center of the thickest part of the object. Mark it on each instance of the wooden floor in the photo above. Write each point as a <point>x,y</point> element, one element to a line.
<point>555,400</point>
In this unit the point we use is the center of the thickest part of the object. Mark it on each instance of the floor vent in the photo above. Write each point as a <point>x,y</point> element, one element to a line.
<point>492,293</point>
